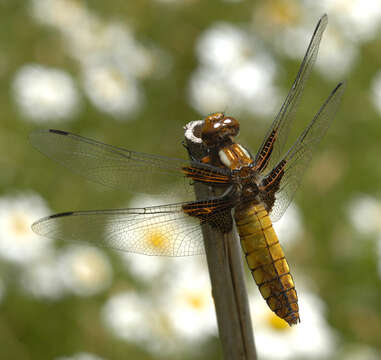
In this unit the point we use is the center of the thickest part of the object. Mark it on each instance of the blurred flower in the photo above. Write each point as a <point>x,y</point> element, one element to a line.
<point>129,317</point>
<point>223,46</point>
<point>290,24</point>
<point>234,72</point>
<point>45,94</point>
<point>358,19</point>
<point>110,72</point>
<point>289,227</point>
<point>90,39</point>
<point>278,13</point>
<point>337,56</point>
<point>42,279</point>
<point>18,242</point>
<point>310,339</point>
<point>364,213</point>
<point>135,318</point>
<point>94,44</point>
<point>177,312</point>
<point>59,13</point>
<point>284,19</point>
<point>207,91</point>
<point>111,90</point>
<point>85,270</point>
<point>80,356</point>
<point>188,301</point>
<point>376,91</point>
<point>143,267</point>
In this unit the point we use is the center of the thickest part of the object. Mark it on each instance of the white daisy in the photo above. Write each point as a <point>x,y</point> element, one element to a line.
<point>45,94</point>
<point>85,270</point>
<point>18,243</point>
<point>63,14</point>
<point>138,318</point>
<point>376,91</point>
<point>94,43</point>
<point>224,46</point>
<point>337,55</point>
<point>178,312</point>
<point>234,72</point>
<point>312,338</point>
<point>91,39</point>
<point>42,279</point>
<point>281,18</point>
<point>359,19</point>
<point>112,90</point>
<point>129,316</point>
<point>110,73</point>
<point>364,213</point>
<point>208,91</point>
<point>253,83</point>
<point>80,356</point>
<point>143,267</point>
<point>272,15</point>
<point>291,23</point>
<point>188,301</point>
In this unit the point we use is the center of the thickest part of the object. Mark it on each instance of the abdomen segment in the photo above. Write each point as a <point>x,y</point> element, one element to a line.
<point>267,262</point>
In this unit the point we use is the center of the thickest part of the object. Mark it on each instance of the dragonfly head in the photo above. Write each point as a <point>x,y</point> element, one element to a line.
<point>218,128</point>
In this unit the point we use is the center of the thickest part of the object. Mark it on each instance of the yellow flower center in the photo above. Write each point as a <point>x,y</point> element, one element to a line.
<point>195,300</point>
<point>20,224</point>
<point>157,239</point>
<point>283,12</point>
<point>277,323</point>
<point>117,77</point>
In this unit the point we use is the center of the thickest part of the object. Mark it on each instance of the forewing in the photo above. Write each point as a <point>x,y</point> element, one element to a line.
<point>294,164</point>
<point>272,148</point>
<point>116,167</point>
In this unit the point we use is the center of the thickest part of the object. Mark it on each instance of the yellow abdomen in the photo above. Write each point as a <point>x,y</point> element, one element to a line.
<point>267,262</point>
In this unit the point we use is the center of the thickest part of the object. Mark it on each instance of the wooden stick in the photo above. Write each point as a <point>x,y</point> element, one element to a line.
<point>226,274</point>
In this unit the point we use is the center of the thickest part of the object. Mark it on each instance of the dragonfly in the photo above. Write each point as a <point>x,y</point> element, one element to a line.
<point>254,191</point>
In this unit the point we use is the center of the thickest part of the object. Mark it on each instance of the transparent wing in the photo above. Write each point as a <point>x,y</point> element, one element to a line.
<point>291,169</point>
<point>272,148</point>
<point>159,230</point>
<point>113,166</point>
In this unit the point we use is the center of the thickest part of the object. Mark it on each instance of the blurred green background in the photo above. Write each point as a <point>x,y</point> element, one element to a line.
<point>132,74</point>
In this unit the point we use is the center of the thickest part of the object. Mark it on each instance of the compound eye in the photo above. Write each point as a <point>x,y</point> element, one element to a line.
<point>230,121</point>
<point>232,124</point>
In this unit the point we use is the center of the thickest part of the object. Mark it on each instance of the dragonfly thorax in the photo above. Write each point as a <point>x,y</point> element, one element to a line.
<point>246,183</point>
